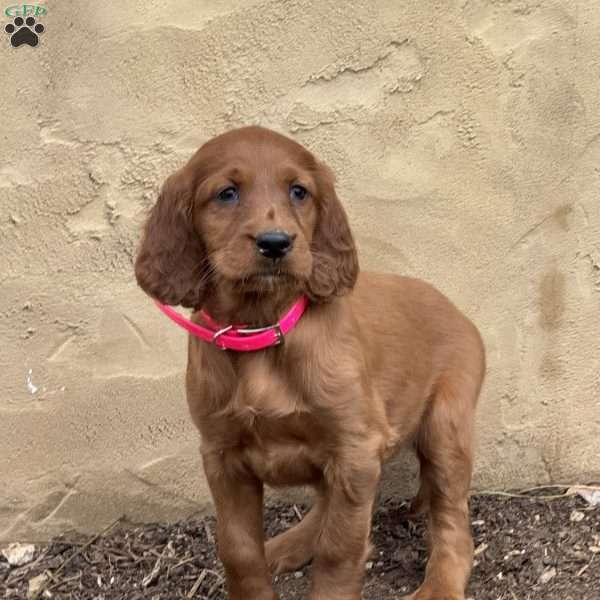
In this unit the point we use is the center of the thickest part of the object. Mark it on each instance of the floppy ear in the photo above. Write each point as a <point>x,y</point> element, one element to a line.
<point>335,261</point>
<point>171,262</point>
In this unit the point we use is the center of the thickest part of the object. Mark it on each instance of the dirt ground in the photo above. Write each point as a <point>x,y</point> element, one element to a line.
<point>537,545</point>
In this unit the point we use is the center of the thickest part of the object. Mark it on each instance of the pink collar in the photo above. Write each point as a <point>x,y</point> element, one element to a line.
<point>237,337</point>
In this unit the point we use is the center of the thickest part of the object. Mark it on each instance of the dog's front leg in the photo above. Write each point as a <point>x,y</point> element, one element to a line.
<point>240,537</point>
<point>343,544</point>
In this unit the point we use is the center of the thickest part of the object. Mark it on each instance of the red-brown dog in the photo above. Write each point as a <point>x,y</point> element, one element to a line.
<point>375,363</point>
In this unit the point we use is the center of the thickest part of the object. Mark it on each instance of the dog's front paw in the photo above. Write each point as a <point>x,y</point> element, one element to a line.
<point>432,594</point>
<point>268,595</point>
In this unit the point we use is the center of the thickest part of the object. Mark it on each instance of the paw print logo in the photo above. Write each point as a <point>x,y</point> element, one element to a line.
<point>24,32</point>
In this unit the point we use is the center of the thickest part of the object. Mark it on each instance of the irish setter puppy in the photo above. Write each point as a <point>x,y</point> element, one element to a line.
<point>375,363</point>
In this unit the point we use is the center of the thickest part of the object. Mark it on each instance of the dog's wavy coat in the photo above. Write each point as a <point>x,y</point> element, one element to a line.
<point>377,363</point>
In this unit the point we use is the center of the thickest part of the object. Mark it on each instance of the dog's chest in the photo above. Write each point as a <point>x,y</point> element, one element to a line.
<point>281,438</point>
<point>282,451</point>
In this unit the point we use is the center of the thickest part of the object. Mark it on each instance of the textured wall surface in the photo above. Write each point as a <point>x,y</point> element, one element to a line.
<point>466,140</point>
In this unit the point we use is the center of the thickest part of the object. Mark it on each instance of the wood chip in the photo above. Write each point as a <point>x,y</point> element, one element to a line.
<point>480,549</point>
<point>197,584</point>
<point>298,513</point>
<point>585,568</point>
<point>209,535</point>
<point>153,575</point>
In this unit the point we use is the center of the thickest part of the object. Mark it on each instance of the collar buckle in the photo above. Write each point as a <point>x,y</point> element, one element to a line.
<point>276,328</point>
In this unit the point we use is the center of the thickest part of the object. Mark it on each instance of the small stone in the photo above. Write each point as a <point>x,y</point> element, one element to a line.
<point>19,554</point>
<point>35,583</point>
<point>298,574</point>
<point>14,219</point>
<point>576,516</point>
<point>369,565</point>
<point>547,575</point>
<point>594,549</point>
<point>478,523</point>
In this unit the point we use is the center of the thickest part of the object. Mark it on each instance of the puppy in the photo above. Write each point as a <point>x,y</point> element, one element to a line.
<point>344,371</point>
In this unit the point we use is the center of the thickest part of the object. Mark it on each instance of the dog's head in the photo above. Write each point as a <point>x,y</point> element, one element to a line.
<point>251,208</point>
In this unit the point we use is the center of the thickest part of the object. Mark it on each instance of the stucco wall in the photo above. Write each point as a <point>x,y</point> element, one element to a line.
<point>466,140</point>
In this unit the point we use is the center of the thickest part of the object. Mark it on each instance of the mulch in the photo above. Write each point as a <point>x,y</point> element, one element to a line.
<point>534,545</point>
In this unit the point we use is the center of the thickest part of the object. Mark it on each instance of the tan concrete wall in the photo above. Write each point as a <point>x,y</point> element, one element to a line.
<point>466,139</point>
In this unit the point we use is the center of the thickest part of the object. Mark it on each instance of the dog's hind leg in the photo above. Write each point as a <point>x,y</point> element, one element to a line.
<point>294,548</point>
<point>445,451</point>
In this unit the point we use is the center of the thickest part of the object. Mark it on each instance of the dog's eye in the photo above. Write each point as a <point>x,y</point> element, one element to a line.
<point>298,193</point>
<point>229,195</point>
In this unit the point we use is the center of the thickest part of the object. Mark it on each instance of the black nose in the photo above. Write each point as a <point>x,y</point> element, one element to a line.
<point>274,244</point>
